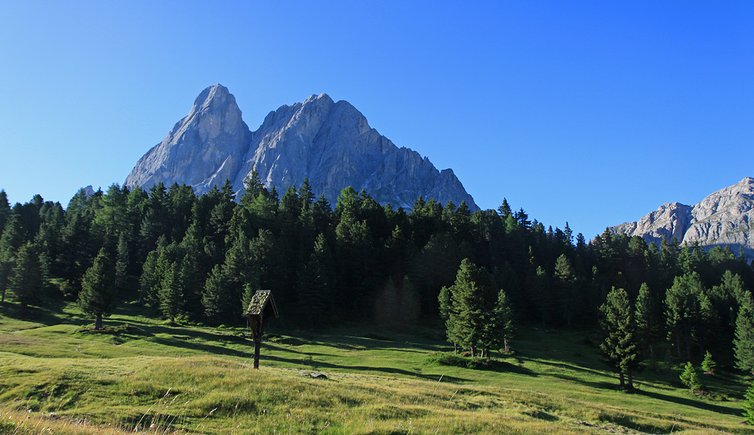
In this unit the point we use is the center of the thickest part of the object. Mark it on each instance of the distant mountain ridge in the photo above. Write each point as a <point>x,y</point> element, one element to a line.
<point>724,218</point>
<point>328,142</point>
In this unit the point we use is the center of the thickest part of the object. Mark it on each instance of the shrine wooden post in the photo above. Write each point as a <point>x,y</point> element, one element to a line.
<point>261,308</point>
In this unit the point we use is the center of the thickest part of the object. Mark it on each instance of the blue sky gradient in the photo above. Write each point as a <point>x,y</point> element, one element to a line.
<point>589,112</point>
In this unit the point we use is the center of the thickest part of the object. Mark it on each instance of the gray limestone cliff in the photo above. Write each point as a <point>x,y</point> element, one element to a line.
<point>724,218</point>
<point>328,142</point>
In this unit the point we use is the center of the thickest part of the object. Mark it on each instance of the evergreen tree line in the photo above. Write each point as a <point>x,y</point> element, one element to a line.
<point>201,257</point>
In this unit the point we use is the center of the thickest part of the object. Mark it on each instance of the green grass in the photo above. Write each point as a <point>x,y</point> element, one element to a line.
<point>57,376</point>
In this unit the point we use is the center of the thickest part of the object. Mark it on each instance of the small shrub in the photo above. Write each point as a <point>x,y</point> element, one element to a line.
<point>456,360</point>
<point>690,378</point>
<point>708,365</point>
<point>749,404</point>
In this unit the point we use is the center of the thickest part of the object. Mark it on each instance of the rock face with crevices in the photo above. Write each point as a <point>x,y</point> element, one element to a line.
<point>328,142</point>
<point>724,218</point>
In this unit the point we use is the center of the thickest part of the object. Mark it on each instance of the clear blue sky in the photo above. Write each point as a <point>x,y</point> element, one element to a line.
<point>591,112</point>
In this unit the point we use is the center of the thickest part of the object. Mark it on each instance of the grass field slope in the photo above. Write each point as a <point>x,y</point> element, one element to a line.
<point>56,376</point>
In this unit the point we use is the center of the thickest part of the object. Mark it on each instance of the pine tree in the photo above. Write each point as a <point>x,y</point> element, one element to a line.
<point>708,364</point>
<point>749,404</point>
<point>648,328</point>
<point>26,278</point>
<point>171,292</point>
<point>743,345</point>
<point>98,292</point>
<point>619,346</point>
<point>690,378</point>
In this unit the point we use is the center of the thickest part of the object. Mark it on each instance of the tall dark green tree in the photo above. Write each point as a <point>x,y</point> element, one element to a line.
<point>743,344</point>
<point>150,278</point>
<point>619,346</point>
<point>502,322</point>
<point>648,324</point>
<point>317,283</point>
<point>171,292</point>
<point>683,312</point>
<point>470,309</point>
<point>11,240</point>
<point>4,209</point>
<point>121,264</point>
<point>565,276</point>
<point>749,404</point>
<point>98,294</point>
<point>26,277</point>
<point>217,299</point>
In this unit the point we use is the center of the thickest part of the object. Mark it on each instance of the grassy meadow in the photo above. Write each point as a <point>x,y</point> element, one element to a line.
<point>56,376</point>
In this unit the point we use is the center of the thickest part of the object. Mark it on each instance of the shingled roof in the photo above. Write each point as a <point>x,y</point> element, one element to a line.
<point>260,301</point>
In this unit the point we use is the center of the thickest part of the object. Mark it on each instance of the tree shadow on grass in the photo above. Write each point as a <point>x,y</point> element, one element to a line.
<point>592,384</point>
<point>691,402</point>
<point>380,370</point>
<point>201,347</point>
<point>565,366</point>
<point>48,314</point>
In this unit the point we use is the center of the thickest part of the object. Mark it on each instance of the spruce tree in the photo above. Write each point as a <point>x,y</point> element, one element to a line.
<point>316,283</point>
<point>150,279</point>
<point>121,263</point>
<point>743,345</point>
<point>5,210</point>
<point>469,314</point>
<point>619,346</point>
<point>683,311</point>
<point>749,404</point>
<point>192,280</point>
<point>171,292</point>
<point>98,292</point>
<point>12,238</point>
<point>26,278</point>
<point>503,321</point>
<point>565,277</point>
<point>216,298</point>
<point>648,329</point>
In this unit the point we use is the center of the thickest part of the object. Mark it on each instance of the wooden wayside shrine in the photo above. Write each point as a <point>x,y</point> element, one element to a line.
<point>261,309</point>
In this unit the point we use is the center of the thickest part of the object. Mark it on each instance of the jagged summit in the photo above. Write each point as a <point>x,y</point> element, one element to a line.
<point>723,218</point>
<point>330,143</point>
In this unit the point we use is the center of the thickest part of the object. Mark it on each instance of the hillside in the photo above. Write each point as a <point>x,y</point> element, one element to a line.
<point>150,375</point>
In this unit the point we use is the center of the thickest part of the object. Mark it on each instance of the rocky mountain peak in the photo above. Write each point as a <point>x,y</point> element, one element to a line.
<point>330,143</point>
<point>723,218</point>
